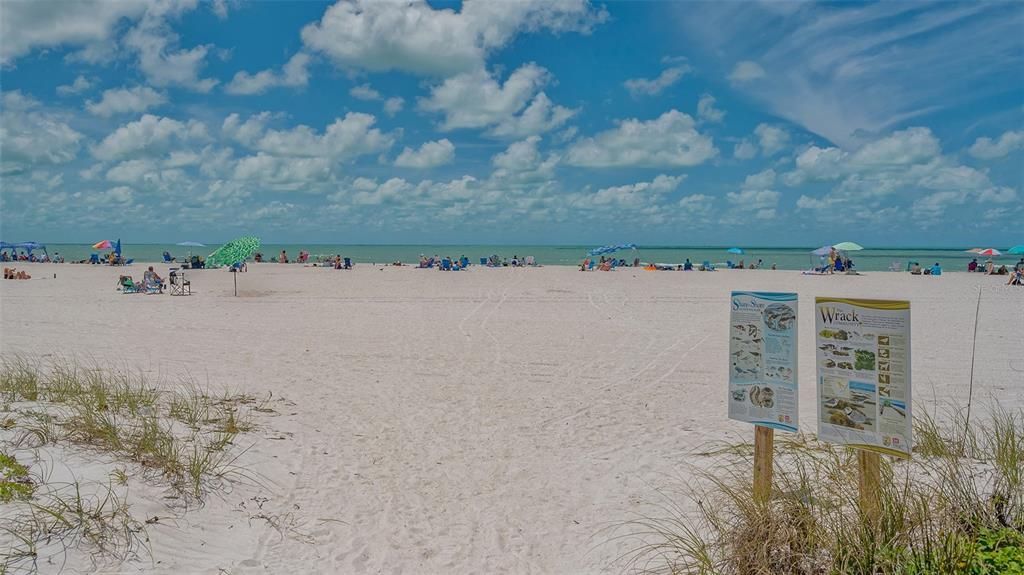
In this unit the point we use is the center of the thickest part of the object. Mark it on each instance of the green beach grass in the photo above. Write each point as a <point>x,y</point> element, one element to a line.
<point>183,440</point>
<point>956,507</point>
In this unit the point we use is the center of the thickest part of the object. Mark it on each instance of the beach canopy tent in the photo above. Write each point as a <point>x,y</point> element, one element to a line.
<point>1016,250</point>
<point>609,249</point>
<point>27,246</point>
<point>735,250</point>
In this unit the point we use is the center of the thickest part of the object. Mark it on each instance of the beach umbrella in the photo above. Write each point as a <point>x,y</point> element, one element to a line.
<point>236,251</point>
<point>103,245</point>
<point>1016,250</point>
<point>117,247</point>
<point>973,250</point>
<point>734,250</point>
<point>848,247</point>
<point>990,252</point>
<point>191,245</point>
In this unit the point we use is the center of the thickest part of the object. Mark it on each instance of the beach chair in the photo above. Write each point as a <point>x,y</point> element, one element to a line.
<point>707,267</point>
<point>530,261</point>
<point>483,261</point>
<point>179,285</point>
<point>127,285</point>
<point>463,262</point>
<point>94,258</point>
<point>446,265</point>
<point>730,264</point>
<point>348,263</point>
<point>168,258</point>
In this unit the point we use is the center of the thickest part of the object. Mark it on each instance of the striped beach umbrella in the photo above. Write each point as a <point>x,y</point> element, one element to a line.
<point>990,252</point>
<point>103,245</point>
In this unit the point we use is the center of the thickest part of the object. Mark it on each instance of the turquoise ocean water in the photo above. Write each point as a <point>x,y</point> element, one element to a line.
<point>784,258</point>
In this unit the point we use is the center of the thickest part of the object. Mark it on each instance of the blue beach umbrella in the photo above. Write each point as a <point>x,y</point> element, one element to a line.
<point>735,250</point>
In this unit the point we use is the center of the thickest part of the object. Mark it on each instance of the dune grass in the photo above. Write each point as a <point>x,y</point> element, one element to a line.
<point>120,413</point>
<point>957,507</point>
<point>183,438</point>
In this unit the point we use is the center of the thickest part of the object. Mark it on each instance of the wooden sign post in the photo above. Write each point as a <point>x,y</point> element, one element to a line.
<point>764,450</point>
<point>870,466</point>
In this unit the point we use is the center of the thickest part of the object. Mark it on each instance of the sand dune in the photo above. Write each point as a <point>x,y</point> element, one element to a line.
<point>491,421</point>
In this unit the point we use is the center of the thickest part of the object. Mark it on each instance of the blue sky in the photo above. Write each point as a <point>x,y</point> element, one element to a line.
<point>686,123</point>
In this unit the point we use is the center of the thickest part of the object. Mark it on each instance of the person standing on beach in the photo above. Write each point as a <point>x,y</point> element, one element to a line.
<point>284,257</point>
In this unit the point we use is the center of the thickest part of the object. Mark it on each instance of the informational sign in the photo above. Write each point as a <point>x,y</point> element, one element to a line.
<point>863,357</point>
<point>762,359</point>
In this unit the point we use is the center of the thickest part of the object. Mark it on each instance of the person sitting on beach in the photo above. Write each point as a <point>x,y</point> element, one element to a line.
<point>606,266</point>
<point>773,266</point>
<point>687,265</point>
<point>936,269</point>
<point>989,267</point>
<point>973,266</point>
<point>585,265</point>
<point>1020,265</point>
<point>1002,271</point>
<point>151,279</point>
<point>1017,277</point>
<point>915,268</point>
<point>740,265</point>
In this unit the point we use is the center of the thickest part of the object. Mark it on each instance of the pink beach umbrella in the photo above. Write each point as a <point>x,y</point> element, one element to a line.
<point>103,245</point>
<point>990,252</point>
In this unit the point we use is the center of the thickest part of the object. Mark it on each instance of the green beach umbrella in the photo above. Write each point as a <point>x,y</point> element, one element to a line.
<point>235,251</point>
<point>848,247</point>
<point>1016,250</point>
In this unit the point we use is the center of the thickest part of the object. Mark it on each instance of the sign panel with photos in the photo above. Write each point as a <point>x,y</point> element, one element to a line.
<point>863,359</point>
<point>762,359</point>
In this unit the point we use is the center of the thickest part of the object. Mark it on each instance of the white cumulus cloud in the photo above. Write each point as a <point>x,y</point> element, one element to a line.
<point>412,36</point>
<point>149,135</point>
<point>650,87</point>
<point>429,155</point>
<point>81,84</point>
<point>294,73</point>
<point>125,101</point>
<point>989,149</point>
<point>671,140</point>
<point>706,110</point>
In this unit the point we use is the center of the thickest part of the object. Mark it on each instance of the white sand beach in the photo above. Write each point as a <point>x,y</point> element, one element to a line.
<point>485,421</point>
